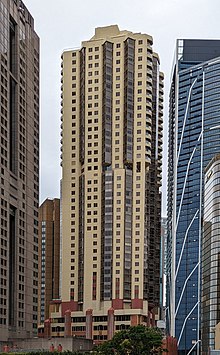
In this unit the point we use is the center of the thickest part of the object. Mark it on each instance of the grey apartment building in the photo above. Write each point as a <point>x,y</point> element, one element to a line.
<point>19,171</point>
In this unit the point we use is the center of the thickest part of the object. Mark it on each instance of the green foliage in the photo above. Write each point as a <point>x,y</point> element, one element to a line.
<point>138,340</point>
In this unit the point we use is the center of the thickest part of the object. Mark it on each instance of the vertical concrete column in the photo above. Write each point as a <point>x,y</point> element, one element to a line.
<point>149,319</point>
<point>153,318</point>
<point>47,329</point>
<point>134,320</point>
<point>67,326</point>
<point>89,323</point>
<point>111,323</point>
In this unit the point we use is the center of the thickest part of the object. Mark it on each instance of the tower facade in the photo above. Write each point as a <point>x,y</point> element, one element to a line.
<point>112,99</point>
<point>49,256</point>
<point>210,305</point>
<point>19,182</point>
<point>194,134</point>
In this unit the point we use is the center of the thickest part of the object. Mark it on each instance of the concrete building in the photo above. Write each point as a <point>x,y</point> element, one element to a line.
<point>112,100</point>
<point>194,139</point>
<point>210,304</point>
<point>19,171</point>
<point>49,256</point>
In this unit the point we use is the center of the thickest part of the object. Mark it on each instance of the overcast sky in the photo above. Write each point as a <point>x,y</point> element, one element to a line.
<point>64,24</point>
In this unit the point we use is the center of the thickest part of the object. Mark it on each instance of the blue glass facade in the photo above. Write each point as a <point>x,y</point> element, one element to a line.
<point>194,138</point>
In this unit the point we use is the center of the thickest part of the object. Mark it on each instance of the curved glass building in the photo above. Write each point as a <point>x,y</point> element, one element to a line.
<point>210,304</point>
<point>194,138</point>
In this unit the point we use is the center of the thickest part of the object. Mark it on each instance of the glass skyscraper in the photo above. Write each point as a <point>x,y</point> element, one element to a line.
<point>194,138</point>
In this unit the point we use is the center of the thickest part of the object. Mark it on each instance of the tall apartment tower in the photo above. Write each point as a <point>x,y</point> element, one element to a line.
<point>19,56</point>
<point>49,256</point>
<point>112,99</point>
<point>194,138</point>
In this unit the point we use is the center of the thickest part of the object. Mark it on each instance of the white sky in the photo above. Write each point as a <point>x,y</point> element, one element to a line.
<point>64,24</point>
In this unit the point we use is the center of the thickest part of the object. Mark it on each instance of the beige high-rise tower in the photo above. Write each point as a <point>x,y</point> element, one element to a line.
<point>19,171</point>
<point>112,99</point>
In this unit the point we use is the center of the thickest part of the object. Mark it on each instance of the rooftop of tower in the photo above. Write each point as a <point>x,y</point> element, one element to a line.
<point>113,31</point>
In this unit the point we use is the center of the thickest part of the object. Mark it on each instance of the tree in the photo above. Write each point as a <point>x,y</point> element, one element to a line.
<point>138,340</point>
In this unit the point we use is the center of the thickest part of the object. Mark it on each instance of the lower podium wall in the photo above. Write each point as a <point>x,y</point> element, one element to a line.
<point>71,344</point>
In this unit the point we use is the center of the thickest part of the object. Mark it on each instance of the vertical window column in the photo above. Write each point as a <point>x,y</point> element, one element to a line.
<point>129,100</point>
<point>107,235</point>
<point>128,235</point>
<point>82,105</point>
<point>81,237</point>
<point>12,267</point>
<point>107,104</point>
